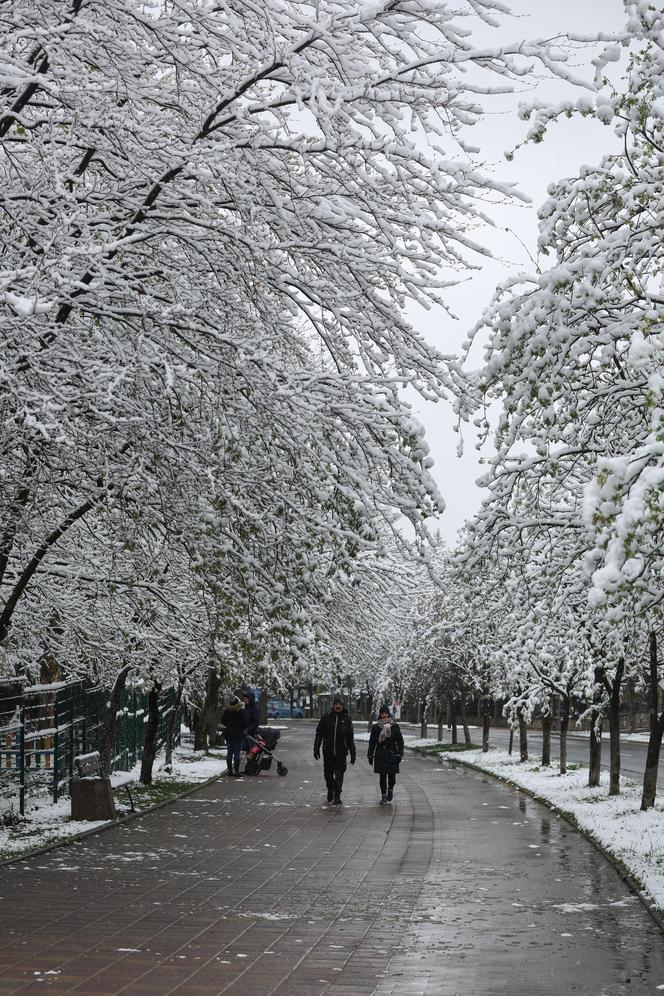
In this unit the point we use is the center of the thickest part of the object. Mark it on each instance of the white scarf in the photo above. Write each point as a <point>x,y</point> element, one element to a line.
<point>385,729</point>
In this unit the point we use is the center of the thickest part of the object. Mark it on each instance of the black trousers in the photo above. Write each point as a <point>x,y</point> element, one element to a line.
<point>333,769</point>
<point>233,748</point>
<point>387,779</point>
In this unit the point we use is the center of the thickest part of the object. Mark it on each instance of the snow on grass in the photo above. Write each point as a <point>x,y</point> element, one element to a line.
<point>192,766</point>
<point>49,823</point>
<point>633,838</point>
<point>29,835</point>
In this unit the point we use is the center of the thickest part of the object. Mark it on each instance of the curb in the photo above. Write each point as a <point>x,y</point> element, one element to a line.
<point>632,882</point>
<point>120,821</point>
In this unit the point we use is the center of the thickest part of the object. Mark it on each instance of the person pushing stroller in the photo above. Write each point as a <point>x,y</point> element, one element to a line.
<point>251,717</point>
<point>335,733</point>
<point>234,721</point>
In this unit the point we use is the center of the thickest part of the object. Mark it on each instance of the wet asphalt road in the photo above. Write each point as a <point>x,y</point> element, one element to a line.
<point>257,887</point>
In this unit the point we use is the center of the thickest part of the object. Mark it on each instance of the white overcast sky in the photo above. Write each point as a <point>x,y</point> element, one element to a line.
<point>568,146</point>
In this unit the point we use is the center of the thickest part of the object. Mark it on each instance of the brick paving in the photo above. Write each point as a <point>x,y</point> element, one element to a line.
<point>257,887</point>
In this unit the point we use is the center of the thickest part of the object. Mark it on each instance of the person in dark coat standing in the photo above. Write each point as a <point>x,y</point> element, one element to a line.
<point>252,717</point>
<point>234,721</point>
<point>335,733</point>
<point>385,752</point>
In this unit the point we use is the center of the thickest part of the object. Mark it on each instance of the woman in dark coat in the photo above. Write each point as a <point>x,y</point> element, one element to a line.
<point>385,752</point>
<point>234,720</point>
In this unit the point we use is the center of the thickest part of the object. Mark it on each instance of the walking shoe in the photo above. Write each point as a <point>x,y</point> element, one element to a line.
<point>337,800</point>
<point>390,795</point>
<point>383,800</point>
<point>330,795</point>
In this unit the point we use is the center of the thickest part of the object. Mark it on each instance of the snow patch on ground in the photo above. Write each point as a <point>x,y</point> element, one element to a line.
<point>188,765</point>
<point>634,838</point>
<point>44,831</point>
<point>268,916</point>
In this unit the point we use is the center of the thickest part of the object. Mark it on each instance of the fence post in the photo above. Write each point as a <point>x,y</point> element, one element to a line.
<point>177,702</point>
<point>72,746</point>
<point>56,748</point>
<point>21,763</point>
<point>84,727</point>
<point>134,728</point>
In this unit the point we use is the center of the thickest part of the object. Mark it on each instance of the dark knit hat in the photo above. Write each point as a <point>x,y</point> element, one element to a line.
<point>337,698</point>
<point>385,708</point>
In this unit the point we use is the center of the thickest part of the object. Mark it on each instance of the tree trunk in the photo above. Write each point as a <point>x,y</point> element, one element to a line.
<point>200,737</point>
<point>151,734</point>
<point>372,711</point>
<point>523,738</point>
<point>594,767</point>
<point>108,727</point>
<point>510,746</point>
<point>173,719</point>
<point>49,666</point>
<point>547,725</point>
<point>441,723</point>
<point>486,724</point>
<point>455,738</point>
<point>205,721</point>
<point>262,708</point>
<point>464,720</point>
<point>630,698</point>
<point>564,729</point>
<point>424,725</point>
<point>614,728</point>
<point>656,731</point>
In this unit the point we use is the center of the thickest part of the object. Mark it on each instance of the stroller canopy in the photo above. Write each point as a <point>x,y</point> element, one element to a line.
<point>269,735</point>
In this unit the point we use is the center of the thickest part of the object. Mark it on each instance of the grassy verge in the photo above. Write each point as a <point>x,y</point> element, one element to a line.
<point>146,796</point>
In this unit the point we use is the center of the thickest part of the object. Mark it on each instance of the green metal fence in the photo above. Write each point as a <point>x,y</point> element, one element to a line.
<point>43,728</point>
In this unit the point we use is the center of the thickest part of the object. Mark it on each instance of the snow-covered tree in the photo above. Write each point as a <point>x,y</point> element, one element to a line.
<point>571,355</point>
<point>213,219</point>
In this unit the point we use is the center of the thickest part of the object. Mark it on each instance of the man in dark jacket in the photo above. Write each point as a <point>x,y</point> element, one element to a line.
<point>335,733</point>
<point>251,713</point>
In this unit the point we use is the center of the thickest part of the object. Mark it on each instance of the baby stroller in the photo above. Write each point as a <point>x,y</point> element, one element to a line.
<point>260,754</point>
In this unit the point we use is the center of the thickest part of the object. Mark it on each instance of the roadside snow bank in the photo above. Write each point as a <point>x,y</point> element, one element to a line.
<point>408,740</point>
<point>616,823</point>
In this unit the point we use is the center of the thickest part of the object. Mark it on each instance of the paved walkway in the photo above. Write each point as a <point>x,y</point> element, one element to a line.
<point>254,887</point>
